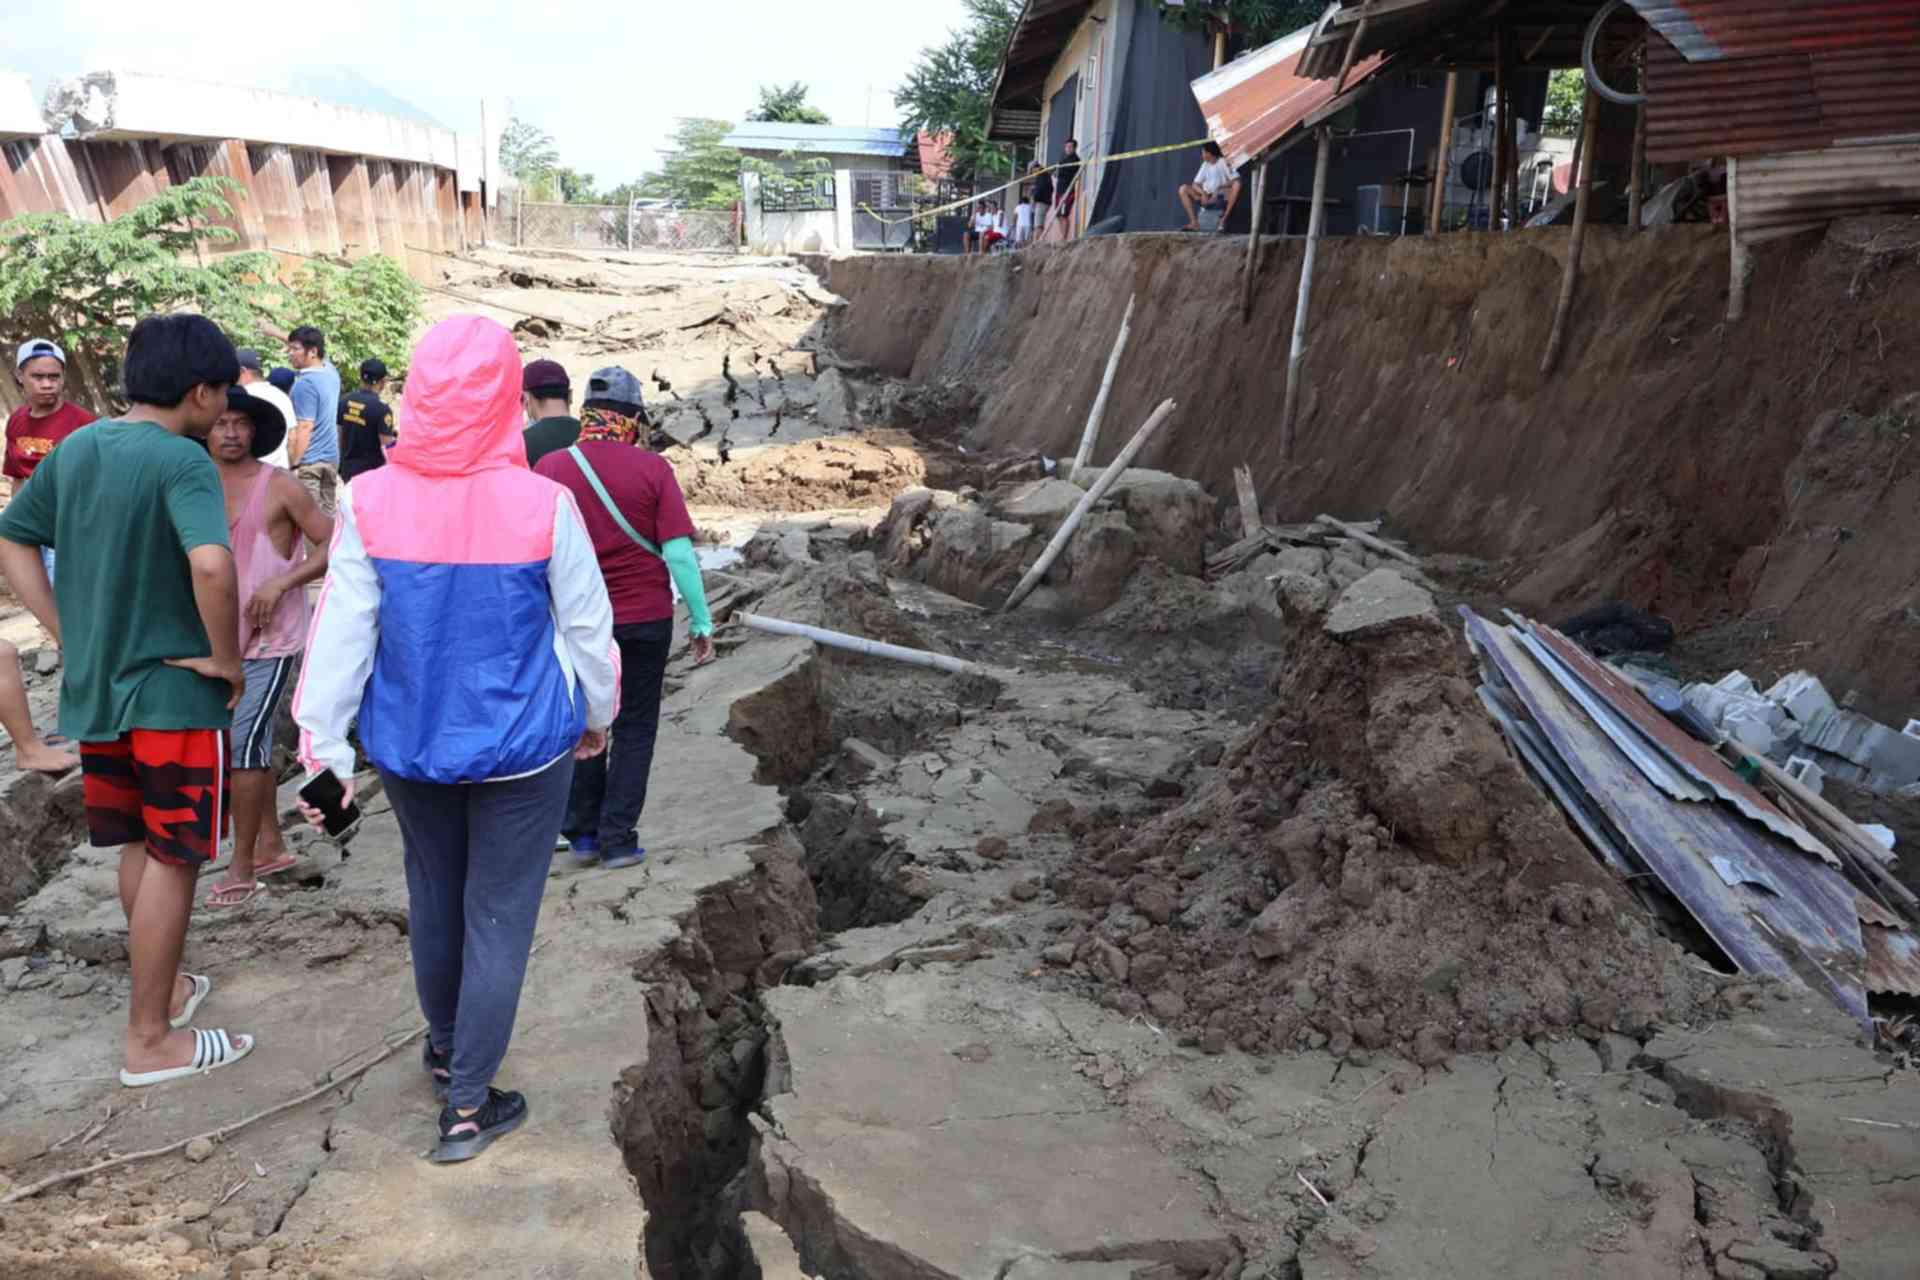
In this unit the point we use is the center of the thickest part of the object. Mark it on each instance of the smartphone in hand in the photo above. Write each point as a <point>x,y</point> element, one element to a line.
<point>324,792</point>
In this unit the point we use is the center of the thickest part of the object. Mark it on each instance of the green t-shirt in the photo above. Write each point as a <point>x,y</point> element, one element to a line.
<point>550,435</point>
<point>123,503</point>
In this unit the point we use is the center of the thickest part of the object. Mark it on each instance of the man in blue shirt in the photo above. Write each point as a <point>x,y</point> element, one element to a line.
<point>314,449</point>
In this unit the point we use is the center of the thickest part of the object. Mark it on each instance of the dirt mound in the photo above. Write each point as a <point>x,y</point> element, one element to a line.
<point>810,476</point>
<point>1367,871</point>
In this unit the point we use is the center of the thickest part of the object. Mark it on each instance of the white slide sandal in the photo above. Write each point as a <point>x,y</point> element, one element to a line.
<point>202,988</point>
<point>211,1051</point>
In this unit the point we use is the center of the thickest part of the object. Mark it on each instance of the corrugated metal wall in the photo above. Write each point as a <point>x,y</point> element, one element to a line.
<point>293,200</point>
<point>1780,102</point>
<point>1777,195</point>
<point>1706,30</point>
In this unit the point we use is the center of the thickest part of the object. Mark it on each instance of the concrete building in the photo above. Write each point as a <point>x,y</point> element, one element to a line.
<point>833,172</point>
<point>314,177</point>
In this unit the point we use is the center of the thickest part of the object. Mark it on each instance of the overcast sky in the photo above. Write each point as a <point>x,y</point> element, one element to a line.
<point>607,80</point>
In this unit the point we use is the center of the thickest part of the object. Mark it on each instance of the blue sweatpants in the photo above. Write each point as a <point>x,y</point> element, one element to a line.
<point>477,858</point>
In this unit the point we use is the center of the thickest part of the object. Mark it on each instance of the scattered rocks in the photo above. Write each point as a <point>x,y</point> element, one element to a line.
<point>1377,601</point>
<point>46,662</point>
<point>193,1210</point>
<point>1060,954</point>
<point>75,984</point>
<point>199,1151</point>
<point>992,848</point>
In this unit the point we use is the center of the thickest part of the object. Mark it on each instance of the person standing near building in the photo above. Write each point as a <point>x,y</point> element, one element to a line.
<point>314,450</point>
<point>643,537</point>
<point>267,512</point>
<point>1066,188</point>
<point>465,626</point>
<point>1023,221</point>
<point>548,396</point>
<point>149,604</point>
<point>366,423</point>
<point>47,417</point>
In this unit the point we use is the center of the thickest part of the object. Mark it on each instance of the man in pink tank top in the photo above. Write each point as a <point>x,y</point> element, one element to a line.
<point>268,510</point>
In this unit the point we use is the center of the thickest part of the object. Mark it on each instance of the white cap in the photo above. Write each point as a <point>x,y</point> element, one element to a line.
<point>34,348</point>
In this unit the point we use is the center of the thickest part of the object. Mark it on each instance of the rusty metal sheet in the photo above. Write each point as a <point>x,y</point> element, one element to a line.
<point>1798,924</point>
<point>1893,961</point>
<point>1699,760</point>
<point>41,178</point>
<point>1777,195</point>
<point>1713,30</point>
<point>1255,101</point>
<point>1779,102</point>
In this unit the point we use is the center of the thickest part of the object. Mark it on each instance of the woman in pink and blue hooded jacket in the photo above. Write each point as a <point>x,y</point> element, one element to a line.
<point>465,627</point>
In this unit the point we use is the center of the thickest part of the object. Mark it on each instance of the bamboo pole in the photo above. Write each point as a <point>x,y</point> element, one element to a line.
<point>1497,197</point>
<point>1590,115</point>
<point>1510,133</point>
<point>1444,158</point>
<point>1366,539</point>
<point>860,644</point>
<point>1092,495</point>
<point>1253,241</point>
<point>1316,222</point>
<point>1353,47</point>
<point>1219,48</point>
<point>1091,434</point>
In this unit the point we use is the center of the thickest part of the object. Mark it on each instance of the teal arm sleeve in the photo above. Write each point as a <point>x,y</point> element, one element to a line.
<point>678,554</point>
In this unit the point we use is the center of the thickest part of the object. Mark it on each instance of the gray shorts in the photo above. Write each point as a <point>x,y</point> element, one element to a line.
<point>253,719</point>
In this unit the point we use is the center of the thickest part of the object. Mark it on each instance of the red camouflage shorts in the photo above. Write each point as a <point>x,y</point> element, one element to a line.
<point>166,789</point>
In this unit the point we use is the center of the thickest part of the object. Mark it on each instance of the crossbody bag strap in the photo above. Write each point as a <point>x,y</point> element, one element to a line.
<point>606,500</point>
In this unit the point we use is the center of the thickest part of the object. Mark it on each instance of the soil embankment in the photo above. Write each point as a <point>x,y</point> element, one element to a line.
<point>1755,473</point>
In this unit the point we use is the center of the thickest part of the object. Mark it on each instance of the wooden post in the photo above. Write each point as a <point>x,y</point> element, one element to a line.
<point>1219,48</point>
<point>1637,181</point>
<point>1353,47</point>
<point>1741,269</point>
<point>1097,491</point>
<point>1316,220</point>
<point>1444,161</point>
<point>1497,197</point>
<point>1590,114</point>
<point>1510,135</point>
<point>1253,240</point>
<point>1092,431</point>
<point>1250,522</point>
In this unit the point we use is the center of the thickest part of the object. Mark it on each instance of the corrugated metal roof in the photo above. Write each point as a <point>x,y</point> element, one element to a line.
<point>1260,97</point>
<point>1760,902</point>
<point>773,135</point>
<point>1779,102</point>
<point>1709,30</point>
<point>1778,195</point>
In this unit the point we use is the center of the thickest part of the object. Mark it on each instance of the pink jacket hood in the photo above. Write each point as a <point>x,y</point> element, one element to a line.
<point>462,412</point>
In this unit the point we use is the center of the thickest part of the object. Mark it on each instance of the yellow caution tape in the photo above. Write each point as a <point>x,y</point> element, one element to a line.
<point>1028,177</point>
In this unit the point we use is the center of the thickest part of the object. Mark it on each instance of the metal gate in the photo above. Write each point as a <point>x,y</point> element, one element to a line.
<point>882,201</point>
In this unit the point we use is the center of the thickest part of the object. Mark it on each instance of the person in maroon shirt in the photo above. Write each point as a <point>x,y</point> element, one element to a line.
<point>47,417</point>
<point>610,790</point>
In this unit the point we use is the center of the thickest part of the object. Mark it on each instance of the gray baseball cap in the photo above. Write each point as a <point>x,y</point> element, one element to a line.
<point>615,383</point>
<point>34,348</point>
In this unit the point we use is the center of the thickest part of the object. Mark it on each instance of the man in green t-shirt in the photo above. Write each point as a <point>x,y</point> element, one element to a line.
<point>548,396</point>
<point>148,599</point>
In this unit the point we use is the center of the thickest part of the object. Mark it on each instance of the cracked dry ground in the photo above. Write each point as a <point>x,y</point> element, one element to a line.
<point>940,1085</point>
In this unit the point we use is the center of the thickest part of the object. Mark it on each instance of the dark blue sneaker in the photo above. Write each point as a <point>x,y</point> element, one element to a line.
<point>586,851</point>
<point>618,858</point>
<point>464,1137</point>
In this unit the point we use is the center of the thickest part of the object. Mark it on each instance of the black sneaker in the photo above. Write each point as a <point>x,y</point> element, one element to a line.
<point>439,1065</point>
<point>464,1137</point>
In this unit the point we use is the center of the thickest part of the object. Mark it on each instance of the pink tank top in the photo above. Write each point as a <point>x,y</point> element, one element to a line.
<point>257,561</point>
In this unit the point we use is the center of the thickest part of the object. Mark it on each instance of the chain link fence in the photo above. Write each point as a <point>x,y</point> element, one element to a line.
<point>536,224</point>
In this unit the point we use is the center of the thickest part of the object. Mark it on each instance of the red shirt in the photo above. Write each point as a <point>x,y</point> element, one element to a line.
<point>642,484</point>
<point>30,439</point>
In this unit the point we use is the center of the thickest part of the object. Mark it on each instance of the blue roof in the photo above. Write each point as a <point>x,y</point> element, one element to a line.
<point>770,135</point>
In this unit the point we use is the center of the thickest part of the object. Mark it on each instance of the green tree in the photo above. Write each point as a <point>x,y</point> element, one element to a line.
<point>527,152</point>
<point>1258,21</point>
<point>368,308</point>
<point>950,88</point>
<point>575,187</point>
<point>85,283</point>
<point>1566,101</point>
<point>787,104</point>
<point>699,171</point>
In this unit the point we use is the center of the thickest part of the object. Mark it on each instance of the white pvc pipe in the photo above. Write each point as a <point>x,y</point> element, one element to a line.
<point>860,644</point>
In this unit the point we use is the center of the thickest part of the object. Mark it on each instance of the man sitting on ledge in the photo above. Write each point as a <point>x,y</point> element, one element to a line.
<point>1215,186</point>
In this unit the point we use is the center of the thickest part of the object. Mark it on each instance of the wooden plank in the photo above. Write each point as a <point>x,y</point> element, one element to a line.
<point>1250,524</point>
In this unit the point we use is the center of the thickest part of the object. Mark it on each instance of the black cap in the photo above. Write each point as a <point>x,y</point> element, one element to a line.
<point>372,370</point>
<point>250,359</point>
<point>283,378</point>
